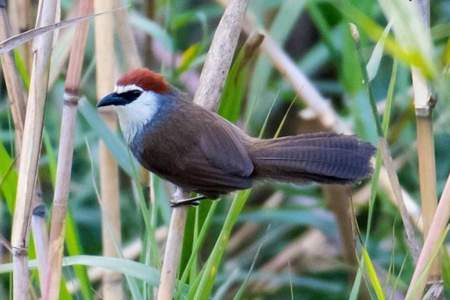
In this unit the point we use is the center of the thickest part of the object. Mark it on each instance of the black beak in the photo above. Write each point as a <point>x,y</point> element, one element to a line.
<point>112,99</point>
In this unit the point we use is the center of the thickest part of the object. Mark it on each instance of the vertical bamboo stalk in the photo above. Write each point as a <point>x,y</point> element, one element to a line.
<point>212,79</point>
<point>17,98</point>
<point>65,156</point>
<point>425,143</point>
<point>109,173</point>
<point>31,145</point>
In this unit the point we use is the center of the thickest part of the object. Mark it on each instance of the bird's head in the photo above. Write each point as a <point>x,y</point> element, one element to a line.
<point>137,96</point>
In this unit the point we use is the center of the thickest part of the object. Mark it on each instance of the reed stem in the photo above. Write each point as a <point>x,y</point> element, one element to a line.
<point>65,156</point>
<point>17,98</point>
<point>31,145</point>
<point>425,143</point>
<point>109,173</point>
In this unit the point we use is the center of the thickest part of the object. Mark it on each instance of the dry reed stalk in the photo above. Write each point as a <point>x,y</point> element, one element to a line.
<point>249,230</point>
<point>437,228</point>
<point>425,143</point>
<point>31,145</point>
<point>212,79</point>
<point>173,249</point>
<point>413,244</point>
<point>65,156</point>
<point>338,200</point>
<point>109,173</point>
<point>17,98</point>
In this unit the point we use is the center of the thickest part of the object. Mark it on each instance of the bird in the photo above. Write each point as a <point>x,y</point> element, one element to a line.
<point>201,152</point>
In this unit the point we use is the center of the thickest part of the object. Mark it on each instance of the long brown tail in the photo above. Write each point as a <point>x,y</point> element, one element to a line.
<point>320,157</point>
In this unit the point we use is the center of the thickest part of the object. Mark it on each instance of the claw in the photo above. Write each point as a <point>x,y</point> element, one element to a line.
<point>191,201</point>
<point>184,203</point>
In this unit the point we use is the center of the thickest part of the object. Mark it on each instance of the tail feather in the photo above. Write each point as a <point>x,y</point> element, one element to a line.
<point>323,157</point>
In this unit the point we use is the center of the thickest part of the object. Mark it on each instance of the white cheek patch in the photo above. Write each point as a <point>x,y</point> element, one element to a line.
<point>133,116</point>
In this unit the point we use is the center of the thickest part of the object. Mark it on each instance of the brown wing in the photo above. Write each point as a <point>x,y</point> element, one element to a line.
<point>207,156</point>
<point>224,149</point>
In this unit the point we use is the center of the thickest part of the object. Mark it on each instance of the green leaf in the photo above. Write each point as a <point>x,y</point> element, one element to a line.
<point>372,274</point>
<point>188,57</point>
<point>8,178</point>
<point>411,56</point>
<point>234,89</point>
<point>445,271</point>
<point>375,59</point>
<point>120,265</point>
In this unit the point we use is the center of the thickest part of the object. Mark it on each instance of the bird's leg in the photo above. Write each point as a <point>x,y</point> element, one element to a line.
<point>190,201</point>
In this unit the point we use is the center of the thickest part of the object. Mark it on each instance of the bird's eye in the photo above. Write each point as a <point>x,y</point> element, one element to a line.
<point>130,96</point>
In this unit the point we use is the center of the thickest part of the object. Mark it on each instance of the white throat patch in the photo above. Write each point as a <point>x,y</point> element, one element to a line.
<point>133,116</point>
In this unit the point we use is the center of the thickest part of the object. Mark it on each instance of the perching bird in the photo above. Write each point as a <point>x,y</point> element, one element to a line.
<point>201,152</point>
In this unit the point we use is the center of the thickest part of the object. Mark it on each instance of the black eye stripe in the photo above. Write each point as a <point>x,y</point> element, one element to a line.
<point>130,96</point>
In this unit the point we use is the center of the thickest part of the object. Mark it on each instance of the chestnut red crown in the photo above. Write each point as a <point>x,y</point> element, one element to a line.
<point>145,79</point>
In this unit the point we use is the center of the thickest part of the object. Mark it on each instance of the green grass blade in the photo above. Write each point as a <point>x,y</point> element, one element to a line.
<point>120,265</point>
<point>372,274</point>
<point>8,178</point>
<point>207,279</point>
<point>234,89</point>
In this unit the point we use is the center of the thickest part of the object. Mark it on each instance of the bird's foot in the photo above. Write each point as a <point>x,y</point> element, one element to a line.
<point>190,201</point>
